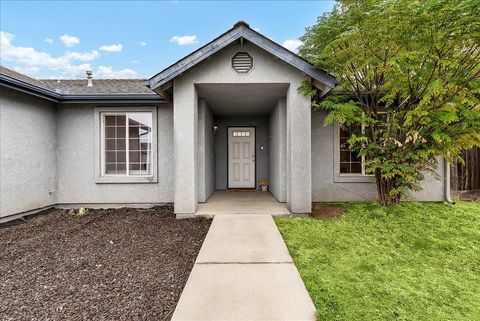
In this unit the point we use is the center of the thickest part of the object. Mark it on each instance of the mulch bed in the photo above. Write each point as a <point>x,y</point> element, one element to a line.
<point>327,211</point>
<point>117,264</point>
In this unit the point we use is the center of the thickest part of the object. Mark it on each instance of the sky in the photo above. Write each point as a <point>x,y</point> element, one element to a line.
<point>126,39</point>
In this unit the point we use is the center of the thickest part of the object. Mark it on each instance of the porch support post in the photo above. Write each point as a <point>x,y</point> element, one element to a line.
<point>185,147</point>
<point>299,157</point>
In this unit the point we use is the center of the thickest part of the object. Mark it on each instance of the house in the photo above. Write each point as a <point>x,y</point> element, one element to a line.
<point>220,118</point>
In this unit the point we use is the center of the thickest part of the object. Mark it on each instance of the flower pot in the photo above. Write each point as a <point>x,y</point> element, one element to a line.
<point>264,188</point>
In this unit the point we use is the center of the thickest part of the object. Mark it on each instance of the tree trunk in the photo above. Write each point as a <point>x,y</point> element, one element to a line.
<point>384,188</point>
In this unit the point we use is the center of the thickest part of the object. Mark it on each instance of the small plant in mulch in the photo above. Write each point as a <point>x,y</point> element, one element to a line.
<point>327,211</point>
<point>81,212</point>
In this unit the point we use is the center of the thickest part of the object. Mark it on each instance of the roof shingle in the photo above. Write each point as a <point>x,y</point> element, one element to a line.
<point>24,78</point>
<point>100,86</point>
<point>79,86</point>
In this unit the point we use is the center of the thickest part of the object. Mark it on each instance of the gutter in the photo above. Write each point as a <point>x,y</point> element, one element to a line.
<point>113,98</point>
<point>28,88</point>
<point>38,91</point>
<point>448,196</point>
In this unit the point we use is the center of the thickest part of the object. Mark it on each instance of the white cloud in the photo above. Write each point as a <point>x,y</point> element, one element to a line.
<point>112,48</point>
<point>5,37</point>
<point>107,72</point>
<point>257,29</point>
<point>31,61</point>
<point>135,61</point>
<point>82,56</point>
<point>27,70</point>
<point>69,41</point>
<point>49,41</point>
<point>184,40</point>
<point>292,44</point>
<point>142,43</point>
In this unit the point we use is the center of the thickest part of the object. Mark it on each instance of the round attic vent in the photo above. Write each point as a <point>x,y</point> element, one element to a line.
<point>242,62</point>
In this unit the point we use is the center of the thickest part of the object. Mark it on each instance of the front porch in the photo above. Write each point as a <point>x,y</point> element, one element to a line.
<point>242,202</point>
<point>242,133</point>
<point>237,121</point>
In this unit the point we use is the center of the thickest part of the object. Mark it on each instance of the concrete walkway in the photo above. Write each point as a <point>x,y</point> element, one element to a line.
<point>244,272</point>
<point>228,202</point>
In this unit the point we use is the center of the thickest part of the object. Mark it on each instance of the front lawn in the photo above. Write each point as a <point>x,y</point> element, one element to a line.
<point>417,261</point>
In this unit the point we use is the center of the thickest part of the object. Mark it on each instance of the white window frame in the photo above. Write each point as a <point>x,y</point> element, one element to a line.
<point>100,175</point>
<point>362,158</point>
<point>346,177</point>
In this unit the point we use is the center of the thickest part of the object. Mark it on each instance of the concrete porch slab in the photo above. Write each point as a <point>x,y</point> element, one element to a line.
<point>244,292</point>
<point>243,239</point>
<point>255,202</point>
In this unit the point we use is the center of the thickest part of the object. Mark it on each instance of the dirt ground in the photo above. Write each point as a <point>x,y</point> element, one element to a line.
<point>118,264</point>
<point>327,211</point>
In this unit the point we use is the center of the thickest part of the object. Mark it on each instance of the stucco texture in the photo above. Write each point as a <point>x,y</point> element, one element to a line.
<point>28,153</point>
<point>324,186</point>
<point>278,146</point>
<point>217,70</point>
<point>206,152</point>
<point>76,161</point>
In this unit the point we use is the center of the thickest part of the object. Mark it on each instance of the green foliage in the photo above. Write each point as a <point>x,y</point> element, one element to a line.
<point>409,71</point>
<point>415,261</point>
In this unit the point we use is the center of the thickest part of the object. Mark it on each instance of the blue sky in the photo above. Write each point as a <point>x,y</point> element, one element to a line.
<point>123,39</point>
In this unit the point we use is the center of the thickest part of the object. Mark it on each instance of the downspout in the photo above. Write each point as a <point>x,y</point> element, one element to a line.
<point>448,197</point>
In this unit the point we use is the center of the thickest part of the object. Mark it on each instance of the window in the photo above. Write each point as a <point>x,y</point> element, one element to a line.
<point>350,162</point>
<point>127,145</point>
<point>241,134</point>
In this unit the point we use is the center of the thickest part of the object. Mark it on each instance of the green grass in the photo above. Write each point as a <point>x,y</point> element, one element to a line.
<point>417,261</point>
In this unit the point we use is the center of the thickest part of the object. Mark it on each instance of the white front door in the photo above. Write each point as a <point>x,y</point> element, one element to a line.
<point>241,157</point>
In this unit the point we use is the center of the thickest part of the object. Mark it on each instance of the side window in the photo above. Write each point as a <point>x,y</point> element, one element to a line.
<point>350,162</point>
<point>127,143</point>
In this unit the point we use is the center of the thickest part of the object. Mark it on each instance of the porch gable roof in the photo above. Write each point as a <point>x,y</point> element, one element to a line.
<point>241,30</point>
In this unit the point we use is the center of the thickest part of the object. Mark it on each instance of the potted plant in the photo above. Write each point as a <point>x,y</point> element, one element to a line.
<point>263,182</point>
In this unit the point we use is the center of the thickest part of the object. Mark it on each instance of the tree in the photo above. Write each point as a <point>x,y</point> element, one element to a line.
<point>408,72</point>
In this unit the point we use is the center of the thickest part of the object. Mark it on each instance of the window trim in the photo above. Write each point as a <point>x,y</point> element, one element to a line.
<point>347,177</point>
<point>100,176</point>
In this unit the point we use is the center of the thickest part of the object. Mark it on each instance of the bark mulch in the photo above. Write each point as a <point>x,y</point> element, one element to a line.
<point>117,264</point>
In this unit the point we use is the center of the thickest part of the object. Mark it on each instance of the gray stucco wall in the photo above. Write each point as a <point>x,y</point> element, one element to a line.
<point>76,161</point>
<point>28,158</point>
<point>206,152</point>
<point>433,189</point>
<point>266,69</point>
<point>325,188</point>
<point>277,152</point>
<point>221,144</point>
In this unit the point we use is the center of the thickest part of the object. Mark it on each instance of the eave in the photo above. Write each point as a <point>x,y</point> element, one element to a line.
<point>240,31</point>
<point>51,95</point>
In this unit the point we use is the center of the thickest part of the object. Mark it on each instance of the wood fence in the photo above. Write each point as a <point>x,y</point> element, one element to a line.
<point>466,177</point>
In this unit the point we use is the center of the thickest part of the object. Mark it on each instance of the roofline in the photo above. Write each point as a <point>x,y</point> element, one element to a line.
<point>38,91</point>
<point>21,85</point>
<point>239,30</point>
<point>113,98</point>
